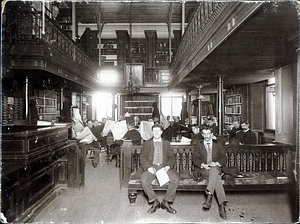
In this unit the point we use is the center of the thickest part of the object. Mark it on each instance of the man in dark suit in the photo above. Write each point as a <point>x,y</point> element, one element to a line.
<point>209,157</point>
<point>246,136</point>
<point>157,154</point>
<point>234,129</point>
<point>197,135</point>
<point>133,134</point>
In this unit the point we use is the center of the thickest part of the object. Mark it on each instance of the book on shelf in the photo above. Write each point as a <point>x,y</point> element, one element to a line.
<point>279,175</point>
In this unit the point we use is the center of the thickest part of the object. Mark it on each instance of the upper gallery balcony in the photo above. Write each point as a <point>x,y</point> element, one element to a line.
<point>36,42</point>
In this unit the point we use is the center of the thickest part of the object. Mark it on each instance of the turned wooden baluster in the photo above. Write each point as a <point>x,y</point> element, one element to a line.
<point>228,159</point>
<point>238,161</point>
<point>250,158</point>
<point>284,162</point>
<point>190,161</point>
<point>184,160</point>
<point>244,162</point>
<point>272,161</point>
<point>177,160</point>
<point>232,159</point>
<point>278,161</point>
<point>132,162</point>
<point>253,161</point>
<point>259,161</point>
<point>266,161</point>
<point>138,160</point>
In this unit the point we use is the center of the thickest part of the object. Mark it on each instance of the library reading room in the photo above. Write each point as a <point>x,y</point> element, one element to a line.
<point>150,111</point>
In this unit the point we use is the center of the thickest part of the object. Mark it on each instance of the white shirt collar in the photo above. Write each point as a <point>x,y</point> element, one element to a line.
<point>157,140</point>
<point>210,142</point>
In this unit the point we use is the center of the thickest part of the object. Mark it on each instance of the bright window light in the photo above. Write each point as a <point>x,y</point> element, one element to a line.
<point>171,104</point>
<point>108,76</point>
<point>103,102</point>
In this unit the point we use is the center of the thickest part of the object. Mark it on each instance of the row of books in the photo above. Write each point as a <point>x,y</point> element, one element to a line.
<point>233,109</point>
<point>233,99</point>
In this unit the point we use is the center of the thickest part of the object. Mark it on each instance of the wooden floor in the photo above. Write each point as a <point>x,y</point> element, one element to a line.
<point>102,201</point>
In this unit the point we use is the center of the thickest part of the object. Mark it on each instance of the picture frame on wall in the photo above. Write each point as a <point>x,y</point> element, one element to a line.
<point>137,74</point>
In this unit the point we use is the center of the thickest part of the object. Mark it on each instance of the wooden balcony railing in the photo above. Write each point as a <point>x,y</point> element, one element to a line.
<point>202,17</point>
<point>207,29</point>
<point>29,31</point>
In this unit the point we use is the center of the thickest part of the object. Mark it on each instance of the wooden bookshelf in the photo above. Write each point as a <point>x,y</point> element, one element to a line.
<point>46,104</point>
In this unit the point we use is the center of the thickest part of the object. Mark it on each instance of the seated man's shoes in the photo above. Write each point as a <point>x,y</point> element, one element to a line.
<point>154,207</point>
<point>165,205</point>
<point>222,211</point>
<point>207,203</point>
<point>94,165</point>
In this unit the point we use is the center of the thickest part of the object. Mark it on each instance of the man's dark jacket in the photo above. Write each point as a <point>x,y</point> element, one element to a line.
<point>147,153</point>
<point>200,156</point>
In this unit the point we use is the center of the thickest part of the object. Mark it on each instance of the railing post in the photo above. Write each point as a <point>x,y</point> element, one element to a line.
<point>74,21</point>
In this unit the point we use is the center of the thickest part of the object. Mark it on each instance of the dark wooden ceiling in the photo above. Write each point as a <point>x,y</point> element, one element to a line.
<point>141,12</point>
<point>267,41</point>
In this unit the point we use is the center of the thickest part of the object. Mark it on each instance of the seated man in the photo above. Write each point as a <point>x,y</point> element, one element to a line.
<point>133,134</point>
<point>157,154</point>
<point>209,157</point>
<point>97,129</point>
<point>212,123</point>
<point>233,129</point>
<point>167,132</point>
<point>197,135</point>
<point>246,136</point>
<point>94,146</point>
<point>136,121</point>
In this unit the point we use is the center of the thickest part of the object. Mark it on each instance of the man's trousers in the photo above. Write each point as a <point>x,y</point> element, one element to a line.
<point>87,147</point>
<point>215,183</point>
<point>148,177</point>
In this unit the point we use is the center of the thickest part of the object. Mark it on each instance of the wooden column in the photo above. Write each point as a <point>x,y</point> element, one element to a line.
<point>199,87</point>
<point>74,21</point>
<point>99,48</point>
<point>26,99</point>
<point>169,31</point>
<point>296,170</point>
<point>151,37</point>
<point>112,105</point>
<point>81,106</point>
<point>122,50</point>
<point>188,102</point>
<point>220,103</point>
<point>61,98</point>
<point>177,38</point>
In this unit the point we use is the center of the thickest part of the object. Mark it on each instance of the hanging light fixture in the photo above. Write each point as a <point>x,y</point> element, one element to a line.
<point>130,88</point>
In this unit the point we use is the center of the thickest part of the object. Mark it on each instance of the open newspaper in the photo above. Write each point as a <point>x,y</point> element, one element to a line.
<point>145,129</point>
